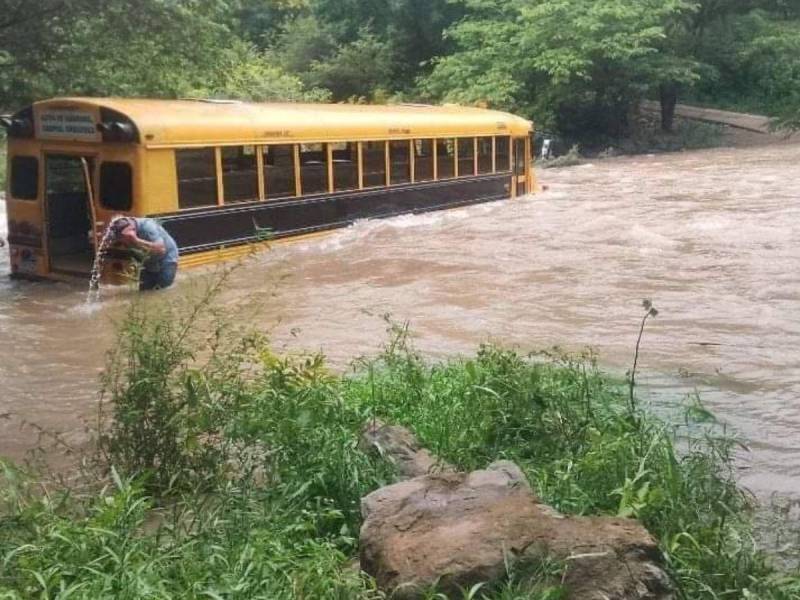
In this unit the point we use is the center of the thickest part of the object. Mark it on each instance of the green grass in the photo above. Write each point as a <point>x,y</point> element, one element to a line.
<point>237,473</point>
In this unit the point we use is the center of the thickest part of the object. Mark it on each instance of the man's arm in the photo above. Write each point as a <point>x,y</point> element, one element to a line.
<point>157,247</point>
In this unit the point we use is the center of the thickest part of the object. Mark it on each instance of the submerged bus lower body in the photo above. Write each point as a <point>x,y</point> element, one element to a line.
<point>208,235</point>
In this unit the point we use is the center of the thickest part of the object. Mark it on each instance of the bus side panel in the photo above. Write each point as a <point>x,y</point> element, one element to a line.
<point>205,229</point>
<point>26,239</point>
<point>159,188</point>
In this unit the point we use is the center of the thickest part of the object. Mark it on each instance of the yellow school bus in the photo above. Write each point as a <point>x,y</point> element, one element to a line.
<point>222,175</point>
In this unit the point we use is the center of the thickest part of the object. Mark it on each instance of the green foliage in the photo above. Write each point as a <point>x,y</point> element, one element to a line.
<point>576,67</point>
<point>245,73</point>
<point>162,49</point>
<point>118,547</point>
<point>590,61</point>
<point>752,62</point>
<point>167,411</point>
<point>305,41</point>
<point>262,21</point>
<point>772,58</point>
<point>361,68</point>
<point>488,64</point>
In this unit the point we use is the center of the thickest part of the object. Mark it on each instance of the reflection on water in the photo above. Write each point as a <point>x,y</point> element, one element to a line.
<point>712,237</point>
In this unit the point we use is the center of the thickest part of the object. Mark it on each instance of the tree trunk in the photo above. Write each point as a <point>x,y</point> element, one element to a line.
<point>668,93</point>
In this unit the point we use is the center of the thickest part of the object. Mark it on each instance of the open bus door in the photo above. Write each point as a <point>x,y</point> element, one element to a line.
<point>69,213</point>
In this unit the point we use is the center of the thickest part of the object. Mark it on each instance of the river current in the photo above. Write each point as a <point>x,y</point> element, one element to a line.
<point>711,237</point>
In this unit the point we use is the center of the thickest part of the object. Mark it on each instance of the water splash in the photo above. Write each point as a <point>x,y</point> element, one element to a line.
<point>93,294</point>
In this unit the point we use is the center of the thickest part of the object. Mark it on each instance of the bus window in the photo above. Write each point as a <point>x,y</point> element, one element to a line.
<point>445,158</point>
<point>345,166</point>
<point>503,161</point>
<point>24,177</point>
<point>116,185</point>
<point>400,161</point>
<point>484,155</point>
<point>239,173</point>
<point>423,160</point>
<point>197,177</point>
<point>466,157</point>
<point>279,171</point>
<point>313,168</point>
<point>374,164</point>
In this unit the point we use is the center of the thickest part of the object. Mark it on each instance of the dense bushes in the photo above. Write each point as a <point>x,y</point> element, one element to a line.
<point>576,67</point>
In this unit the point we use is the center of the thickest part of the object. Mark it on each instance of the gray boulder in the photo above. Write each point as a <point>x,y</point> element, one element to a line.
<point>457,529</point>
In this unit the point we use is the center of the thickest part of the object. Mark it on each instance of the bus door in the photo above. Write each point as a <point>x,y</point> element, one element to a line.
<point>69,213</point>
<point>520,172</point>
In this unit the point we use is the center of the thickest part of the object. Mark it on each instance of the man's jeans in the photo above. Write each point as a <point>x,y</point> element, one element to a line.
<point>157,280</point>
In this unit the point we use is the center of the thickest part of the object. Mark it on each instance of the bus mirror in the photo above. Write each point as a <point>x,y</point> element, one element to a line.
<point>18,128</point>
<point>116,131</point>
<point>123,129</point>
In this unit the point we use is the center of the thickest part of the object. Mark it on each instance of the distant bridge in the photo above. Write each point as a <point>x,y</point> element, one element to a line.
<point>756,123</point>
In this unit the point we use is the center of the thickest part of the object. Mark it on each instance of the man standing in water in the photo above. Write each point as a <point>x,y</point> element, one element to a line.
<point>161,252</point>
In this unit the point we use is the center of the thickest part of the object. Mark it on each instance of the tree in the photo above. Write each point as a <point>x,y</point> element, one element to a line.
<point>244,72</point>
<point>30,39</point>
<point>751,59</point>
<point>488,66</point>
<point>608,52</point>
<point>691,44</point>
<point>359,69</point>
<point>590,59</point>
<point>261,22</point>
<point>410,31</point>
<point>164,48</point>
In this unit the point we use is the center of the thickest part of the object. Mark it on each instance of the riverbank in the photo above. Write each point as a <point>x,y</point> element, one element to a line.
<point>236,472</point>
<point>695,128</point>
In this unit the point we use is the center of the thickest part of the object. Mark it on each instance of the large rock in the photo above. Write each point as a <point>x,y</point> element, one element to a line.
<point>399,446</point>
<point>458,529</point>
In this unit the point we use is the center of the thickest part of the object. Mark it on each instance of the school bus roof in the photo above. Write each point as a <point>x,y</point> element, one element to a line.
<point>209,122</point>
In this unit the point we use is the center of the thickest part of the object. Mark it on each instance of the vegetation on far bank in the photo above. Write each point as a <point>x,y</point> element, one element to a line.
<point>3,165</point>
<point>576,67</point>
<point>234,472</point>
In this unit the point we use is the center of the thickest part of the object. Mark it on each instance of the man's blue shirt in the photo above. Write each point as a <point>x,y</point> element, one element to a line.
<point>152,231</point>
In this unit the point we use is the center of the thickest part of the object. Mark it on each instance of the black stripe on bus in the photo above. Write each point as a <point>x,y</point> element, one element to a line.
<point>197,230</point>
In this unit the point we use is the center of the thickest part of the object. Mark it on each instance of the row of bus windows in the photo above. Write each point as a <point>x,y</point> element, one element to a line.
<point>383,163</point>
<point>116,179</point>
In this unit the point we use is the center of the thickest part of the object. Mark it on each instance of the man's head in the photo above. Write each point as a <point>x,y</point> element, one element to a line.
<point>120,224</point>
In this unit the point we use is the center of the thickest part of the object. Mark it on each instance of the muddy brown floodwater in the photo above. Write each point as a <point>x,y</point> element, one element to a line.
<point>712,237</point>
